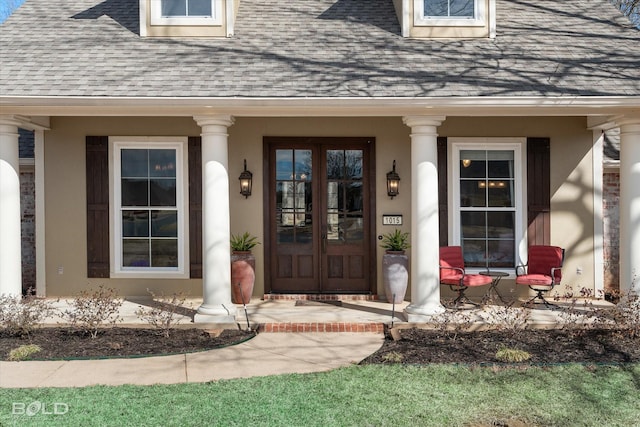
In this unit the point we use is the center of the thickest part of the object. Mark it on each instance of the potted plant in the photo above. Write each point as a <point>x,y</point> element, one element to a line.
<point>243,266</point>
<point>395,265</point>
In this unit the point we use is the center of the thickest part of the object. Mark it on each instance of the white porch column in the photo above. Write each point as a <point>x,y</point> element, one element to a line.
<point>630,205</point>
<point>216,261</point>
<point>425,273</point>
<point>10,247</point>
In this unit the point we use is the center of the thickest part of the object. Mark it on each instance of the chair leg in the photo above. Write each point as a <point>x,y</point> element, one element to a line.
<point>463,299</point>
<point>542,299</point>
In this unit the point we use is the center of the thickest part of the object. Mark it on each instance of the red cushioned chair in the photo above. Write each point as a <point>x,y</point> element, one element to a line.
<point>452,274</point>
<point>542,272</point>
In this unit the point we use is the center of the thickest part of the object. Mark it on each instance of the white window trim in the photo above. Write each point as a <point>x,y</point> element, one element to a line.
<point>158,19</point>
<point>180,144</point>
<point>518,145</point>
<point>479,20</point>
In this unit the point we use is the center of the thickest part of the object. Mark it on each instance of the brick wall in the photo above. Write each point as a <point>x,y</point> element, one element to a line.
<point>28,212</point>
<point>611,214</point>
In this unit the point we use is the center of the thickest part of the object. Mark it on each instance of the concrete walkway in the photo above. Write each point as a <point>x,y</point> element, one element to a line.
<point>266,354</point>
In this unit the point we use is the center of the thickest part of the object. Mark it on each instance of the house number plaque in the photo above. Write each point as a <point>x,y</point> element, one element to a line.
<point>391,219</point>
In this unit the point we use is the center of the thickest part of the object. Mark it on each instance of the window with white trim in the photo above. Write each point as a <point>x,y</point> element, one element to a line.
<point>488,201</point>
<point>450,12</point>
<point>149,207</point>
<point>186,12</point>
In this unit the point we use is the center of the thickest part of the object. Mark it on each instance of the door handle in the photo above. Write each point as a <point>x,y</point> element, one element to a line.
<point>324,242</point>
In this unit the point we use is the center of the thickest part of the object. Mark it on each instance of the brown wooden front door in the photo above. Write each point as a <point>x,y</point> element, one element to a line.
<point>319,215</point>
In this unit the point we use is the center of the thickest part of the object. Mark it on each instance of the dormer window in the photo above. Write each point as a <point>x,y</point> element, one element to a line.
<point>186,12</point>
<point>450,13</point>
<point>187,18</point>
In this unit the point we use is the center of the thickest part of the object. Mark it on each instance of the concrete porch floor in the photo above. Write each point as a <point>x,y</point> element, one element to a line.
<point>284,315</point>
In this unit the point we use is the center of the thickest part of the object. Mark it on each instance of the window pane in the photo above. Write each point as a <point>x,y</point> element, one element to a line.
<point>500,225</point>
<point>135,224</point>
<point>473,194</point>
<point>449,8</point>
<point>474,252</point>
<point>174,7</point>
<point>163,192</point>
<point>501,253</point>
<point>462,8</point>
<point>473,225</point>
<point>473,164</point>
<point>200,8</point>
<point>135,253</point>
<point>134,163</point>
<point>500,193</point>
<point>436,8</point>
<point>162,163</point>
<point>164,223</point>
<point>135,192</point>
<point>164,253</point>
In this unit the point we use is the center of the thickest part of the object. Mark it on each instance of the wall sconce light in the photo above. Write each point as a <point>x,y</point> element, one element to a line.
<point>393,182</point>
<point>246,178</point>
<point>466,163</point>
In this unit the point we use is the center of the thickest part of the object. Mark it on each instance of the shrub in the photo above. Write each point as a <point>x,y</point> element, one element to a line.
<point>93,309</point>
<point>625,314</point>
<point>512,355</point>
<point>163,314</point>
<point>511,319</point>
<point>393,357</point>
<point>23,352</point>
<point>21,315</point>
<point>451,324</point>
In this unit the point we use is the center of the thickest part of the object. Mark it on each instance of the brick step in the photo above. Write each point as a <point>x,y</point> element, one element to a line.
<point>321,297</point>
<point>321,327</point>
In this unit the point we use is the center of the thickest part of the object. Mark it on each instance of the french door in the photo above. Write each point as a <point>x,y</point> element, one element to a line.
<point>319,215</point>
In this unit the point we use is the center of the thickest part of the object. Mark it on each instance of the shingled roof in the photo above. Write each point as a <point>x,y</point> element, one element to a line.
<point>318,48</point>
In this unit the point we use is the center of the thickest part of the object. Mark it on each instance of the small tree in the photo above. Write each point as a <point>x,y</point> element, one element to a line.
<point>163,315</point>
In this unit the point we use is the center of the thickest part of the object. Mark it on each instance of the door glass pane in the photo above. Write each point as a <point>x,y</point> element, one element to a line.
<point>284,164</point>
<point>303,165</point>
<point>354,197</point>
<point>353,164</point>
<point>354,229</point>
<point>335,164</point>
<point>333,226</point>
<point>332,196</point>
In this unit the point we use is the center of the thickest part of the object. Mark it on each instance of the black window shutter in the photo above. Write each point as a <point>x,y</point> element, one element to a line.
<point>97,164</point>
<point>539,191</point>
<point>442,191</point>
<point>195,207</point>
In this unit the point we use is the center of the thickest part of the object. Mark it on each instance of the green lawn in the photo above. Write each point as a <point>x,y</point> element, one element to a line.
<point>570,395</point>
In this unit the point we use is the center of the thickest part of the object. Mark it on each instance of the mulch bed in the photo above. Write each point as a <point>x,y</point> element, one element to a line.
<point>64,343</point>
<point>415,346</point>
<point>419,346</point>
